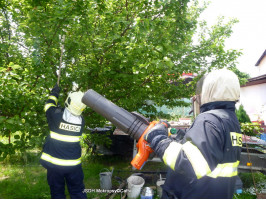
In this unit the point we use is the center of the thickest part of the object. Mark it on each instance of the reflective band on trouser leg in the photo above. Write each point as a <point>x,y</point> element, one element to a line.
<point>225,170</point>
<point>47,106</point>
<point>197,160</point>
<point>171,153</point>
<point>53,98</point>
<point>58,161</point>
<point>64,138</point>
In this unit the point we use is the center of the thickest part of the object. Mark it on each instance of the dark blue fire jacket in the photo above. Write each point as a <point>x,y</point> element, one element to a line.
<point>204,163</point>
<point>62,146</point>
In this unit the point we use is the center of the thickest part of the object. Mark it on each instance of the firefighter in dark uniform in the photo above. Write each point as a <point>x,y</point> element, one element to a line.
<point>61,154</point>
<point>204,163</point>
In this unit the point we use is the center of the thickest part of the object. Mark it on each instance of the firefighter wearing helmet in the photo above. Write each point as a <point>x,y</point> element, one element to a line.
<point>204,163</point>
<point>61,154</point>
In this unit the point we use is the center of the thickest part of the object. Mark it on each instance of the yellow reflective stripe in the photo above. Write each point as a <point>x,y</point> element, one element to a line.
<point>236,139</point>
<point>225,170</point>
<point>58,161</point>
<point>53,98</point>
<point>65,138</point>
<point>171,153</point>
<point>48,105</point>
<point>198,162</point>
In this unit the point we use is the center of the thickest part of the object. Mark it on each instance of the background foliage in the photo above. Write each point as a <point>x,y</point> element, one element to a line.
<point>248,127</point>
<point>242,115</point>
<point>252,129</point>
<point>123,49</point>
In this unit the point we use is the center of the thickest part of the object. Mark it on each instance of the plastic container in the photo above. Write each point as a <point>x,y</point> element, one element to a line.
<point>135,184</point>
<point>147,193</point>
<point>106,179</point>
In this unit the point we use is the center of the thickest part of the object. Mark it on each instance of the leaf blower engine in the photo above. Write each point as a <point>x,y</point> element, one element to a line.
<point>133,123</point>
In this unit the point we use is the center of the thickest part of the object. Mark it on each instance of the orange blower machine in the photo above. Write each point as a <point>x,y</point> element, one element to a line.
<point>133,124</point>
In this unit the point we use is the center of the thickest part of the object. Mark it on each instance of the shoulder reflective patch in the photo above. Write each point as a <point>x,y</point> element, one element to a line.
<point>58,161</point>
<point>69,127</point>
<point>53,98</point>
<point>171,154</point>
<point>64,138</point>
<point>197,160</point>
<point>48,105</point>
<point>236,139</point>
<point>225,170</point>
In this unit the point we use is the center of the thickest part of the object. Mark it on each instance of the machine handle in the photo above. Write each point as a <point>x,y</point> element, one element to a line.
<point>144,149</point>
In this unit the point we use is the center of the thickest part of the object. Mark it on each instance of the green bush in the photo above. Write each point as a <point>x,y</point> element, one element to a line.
<point>248,184</point>
<point>251,129</point>
<point>92,139</point>
<point>247,127</point>
<point>244,195</point>
<point>241,114</point>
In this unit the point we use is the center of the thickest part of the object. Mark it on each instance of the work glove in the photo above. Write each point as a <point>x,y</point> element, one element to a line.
<point>161,128</point>
<point>56,89</point>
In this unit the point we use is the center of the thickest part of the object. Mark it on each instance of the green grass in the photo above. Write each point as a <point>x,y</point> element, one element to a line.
<point>17,181</point>
<point>22,178</point>
<point>28,181</point>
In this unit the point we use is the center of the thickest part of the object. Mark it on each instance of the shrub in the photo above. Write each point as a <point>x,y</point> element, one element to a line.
<point>251,129</point>
<point>242,116</point>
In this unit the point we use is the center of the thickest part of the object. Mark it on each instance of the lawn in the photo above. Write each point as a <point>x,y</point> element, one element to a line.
<point>28,181</point>
<point>20,180</point>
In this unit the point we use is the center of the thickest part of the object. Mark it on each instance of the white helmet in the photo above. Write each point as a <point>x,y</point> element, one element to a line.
<point>220,85</point>
<point>73,103</point>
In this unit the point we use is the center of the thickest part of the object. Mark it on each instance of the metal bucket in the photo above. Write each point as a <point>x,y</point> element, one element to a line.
<point>106,179</point>
<point>135,184</point>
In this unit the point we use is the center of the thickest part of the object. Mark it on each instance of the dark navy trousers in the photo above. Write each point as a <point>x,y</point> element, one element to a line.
<point>73,178</point>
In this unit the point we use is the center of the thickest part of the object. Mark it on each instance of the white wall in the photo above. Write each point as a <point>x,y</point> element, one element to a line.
<point>262,66</point>
<point>253,98</point>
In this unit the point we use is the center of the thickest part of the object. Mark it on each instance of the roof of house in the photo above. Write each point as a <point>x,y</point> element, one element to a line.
<point>256,80</point>
<point>262,56</point>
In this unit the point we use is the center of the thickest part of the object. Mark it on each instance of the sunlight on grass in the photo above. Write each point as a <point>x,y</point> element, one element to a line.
<point>30,182</point>
<point>21,182</point>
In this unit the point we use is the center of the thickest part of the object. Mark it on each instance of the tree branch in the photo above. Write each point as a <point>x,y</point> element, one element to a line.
<point>9,34</point>
<point>148,79</point>
<point>121,35</point>
<point>61,59</point>
<point>127,9</point>
<point>23,46</point>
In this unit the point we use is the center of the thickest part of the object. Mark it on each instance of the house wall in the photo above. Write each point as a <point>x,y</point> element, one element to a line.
<point>253,98</point>
<point>262,66</point>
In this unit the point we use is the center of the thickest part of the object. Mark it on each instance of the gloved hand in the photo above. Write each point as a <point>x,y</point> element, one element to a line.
<point>161,128</point>
<point>56,88</point>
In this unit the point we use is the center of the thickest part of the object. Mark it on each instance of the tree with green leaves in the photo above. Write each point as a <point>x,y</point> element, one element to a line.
<point>242,115</point>
<point>123,49</point>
